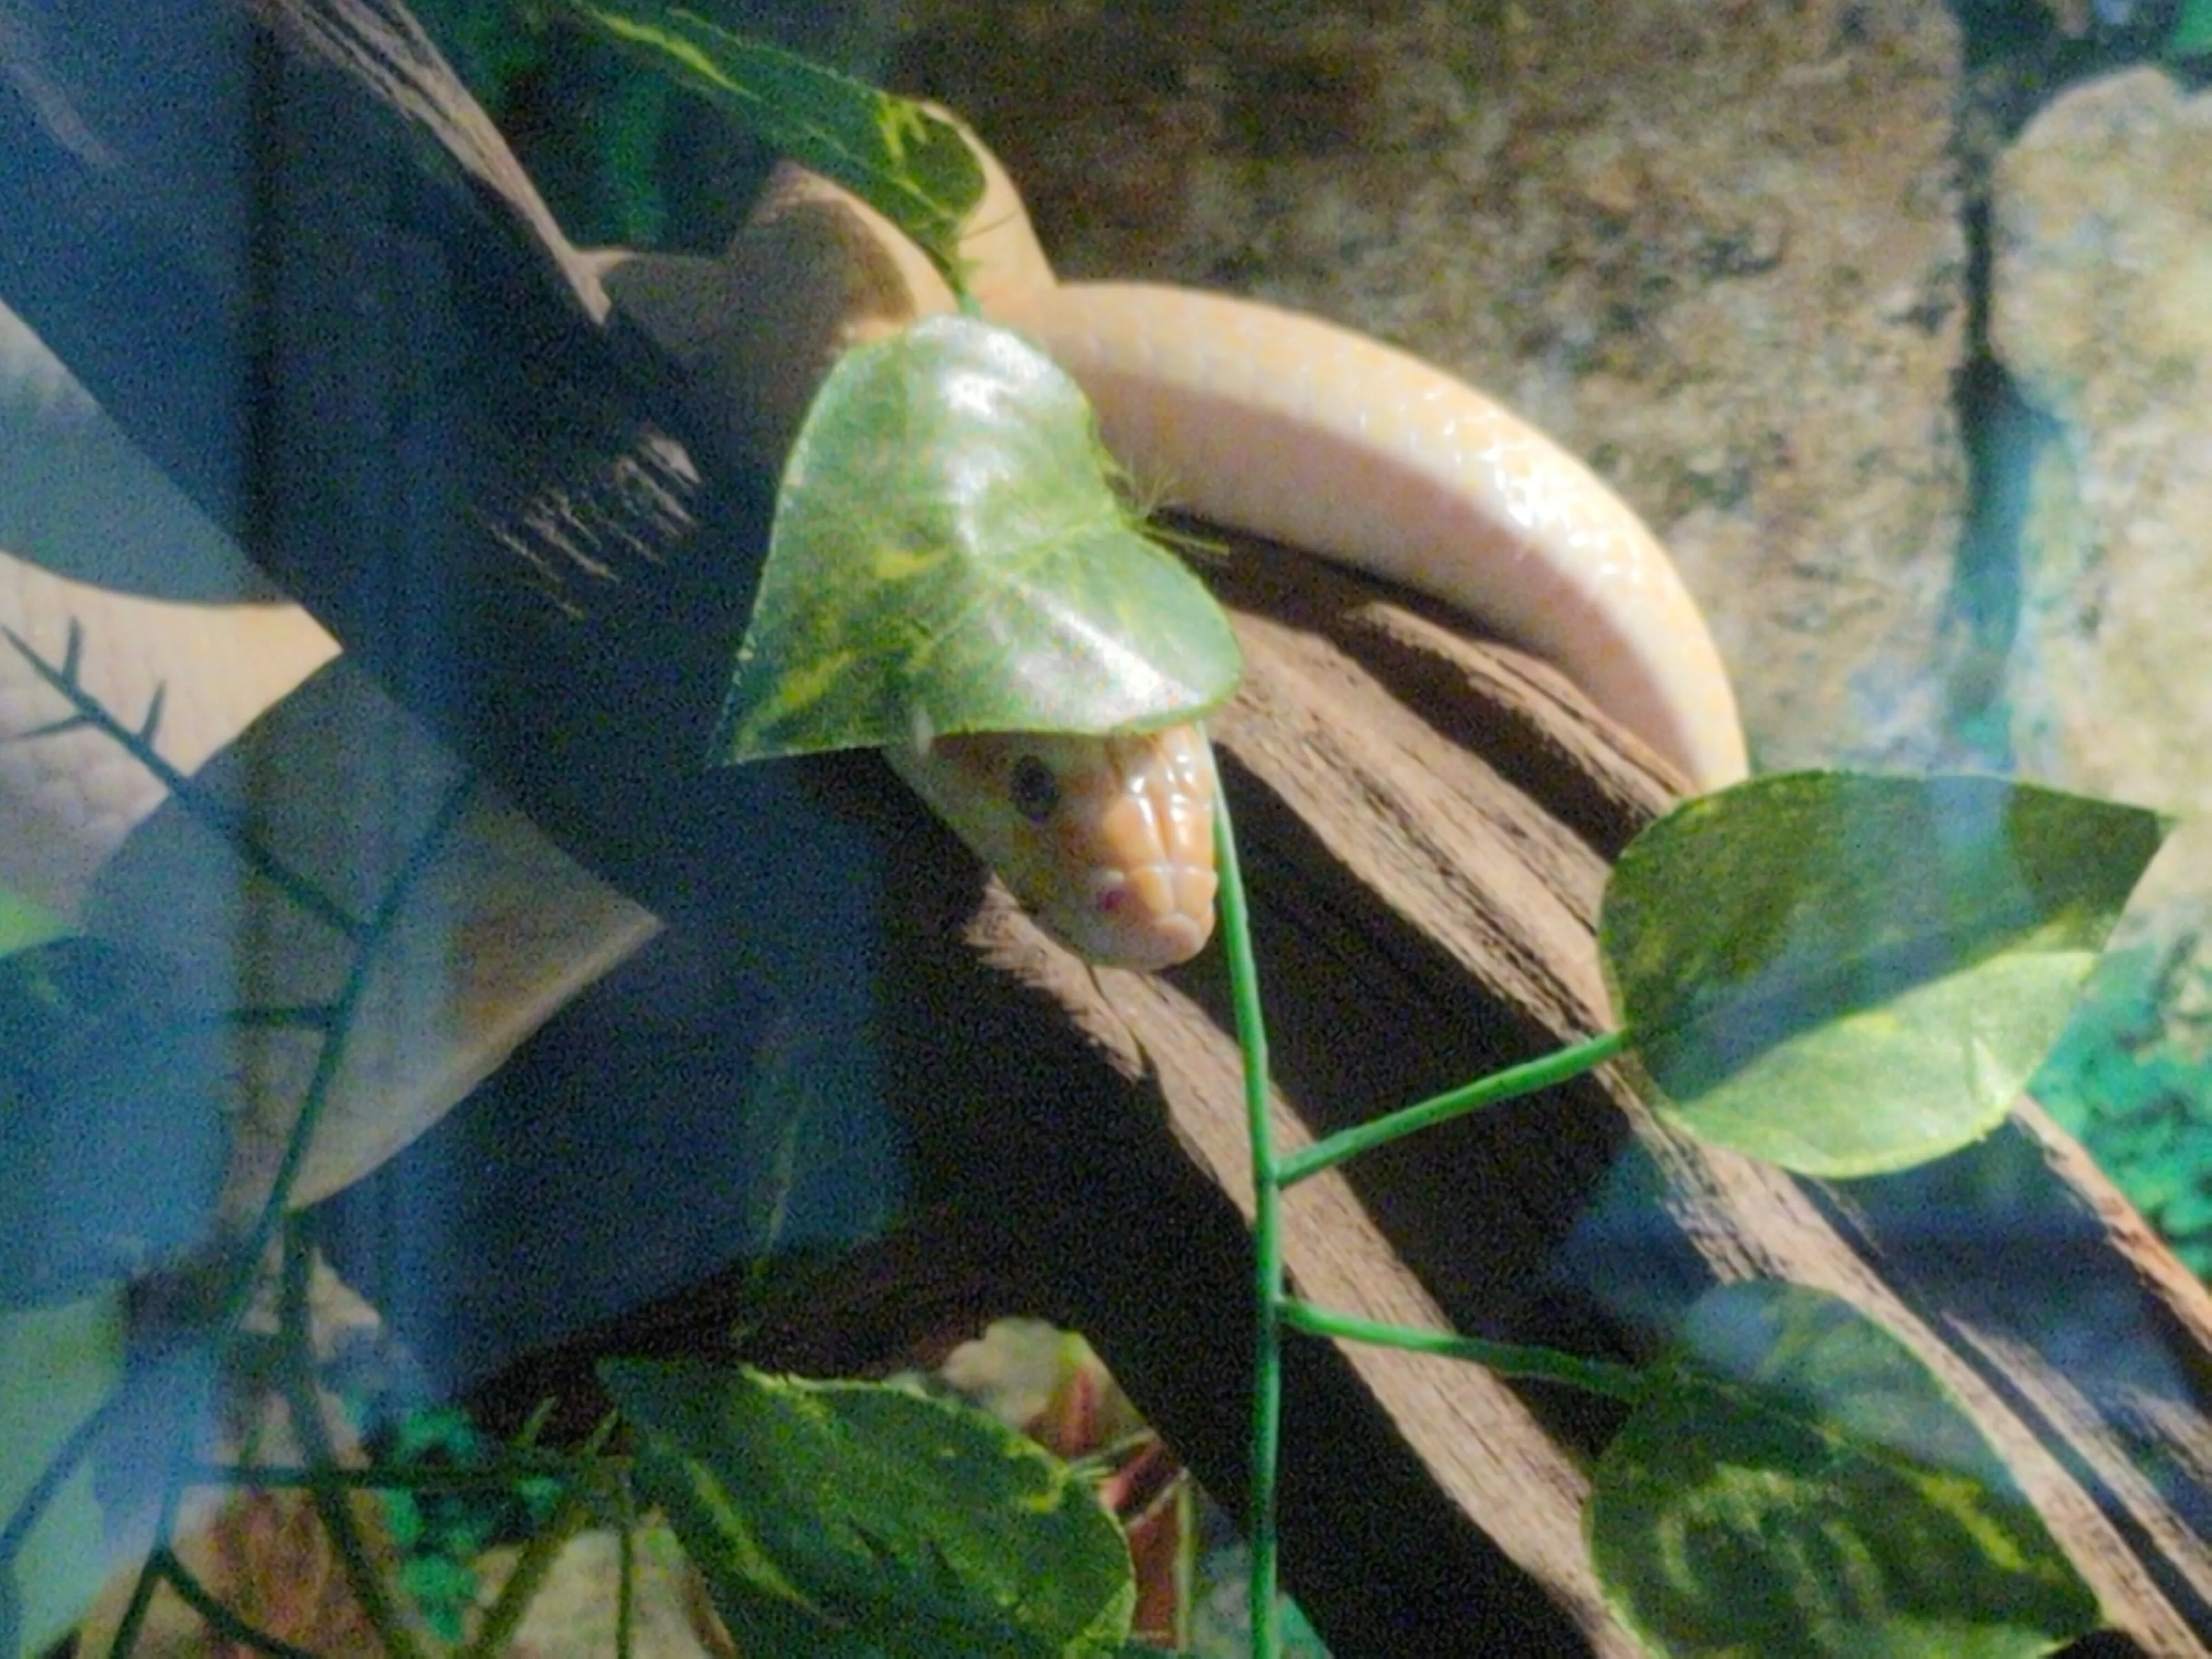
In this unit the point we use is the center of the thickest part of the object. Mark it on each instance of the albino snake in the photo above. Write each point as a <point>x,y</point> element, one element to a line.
<point>1258,419</point>
<point>1292,429</point>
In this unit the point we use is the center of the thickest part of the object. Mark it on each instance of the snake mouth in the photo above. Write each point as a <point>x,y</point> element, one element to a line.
<point>1146,919</point>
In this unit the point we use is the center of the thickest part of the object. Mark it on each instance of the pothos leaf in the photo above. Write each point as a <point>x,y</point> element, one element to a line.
<point>949,556</point>
<point>1846,974</point>
<point>912,167</point>
<point>855,1518</point>
<point>1797,1481</point>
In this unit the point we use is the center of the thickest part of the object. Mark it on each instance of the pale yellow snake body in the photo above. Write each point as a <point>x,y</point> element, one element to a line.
<point>1264,421</point>
<point>1293,428</point>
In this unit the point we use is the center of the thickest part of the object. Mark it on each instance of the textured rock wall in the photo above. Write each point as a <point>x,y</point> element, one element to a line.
<point>2101,309</point>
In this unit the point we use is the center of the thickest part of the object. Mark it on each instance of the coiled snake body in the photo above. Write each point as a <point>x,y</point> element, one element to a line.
<point>1311,435</point>
<point>1256,418</point>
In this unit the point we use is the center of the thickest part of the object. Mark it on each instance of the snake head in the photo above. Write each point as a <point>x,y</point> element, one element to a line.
<point>1108,841</point>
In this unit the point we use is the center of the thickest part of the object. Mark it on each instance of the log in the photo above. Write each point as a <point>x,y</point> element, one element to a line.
<point>482,487</point>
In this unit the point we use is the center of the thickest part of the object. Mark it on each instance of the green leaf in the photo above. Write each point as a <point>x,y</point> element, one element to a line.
<point>2192,30</point>
<point>1845,975</point>
<point>949,556</point>
<point>851,1519</point>
<point>912,167</point>
<point>1797,1482</point>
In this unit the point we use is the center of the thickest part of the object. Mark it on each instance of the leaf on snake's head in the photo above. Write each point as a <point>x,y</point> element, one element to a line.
<point>949,556</point>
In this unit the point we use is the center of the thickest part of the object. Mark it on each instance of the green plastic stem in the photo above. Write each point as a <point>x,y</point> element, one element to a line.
<point>1623,1382</point>
<point>1266,1236</point>
<point>1522,1079</point>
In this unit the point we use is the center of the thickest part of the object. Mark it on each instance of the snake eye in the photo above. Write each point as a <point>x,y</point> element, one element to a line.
<point>1035,790</point>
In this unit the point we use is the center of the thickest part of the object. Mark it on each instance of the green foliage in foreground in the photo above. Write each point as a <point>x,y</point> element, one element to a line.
<point>851,1519</point>
<point>1796,1481</point>
<point>1846,974</point>
<point>1791,1478</point>
<point>911,165</point>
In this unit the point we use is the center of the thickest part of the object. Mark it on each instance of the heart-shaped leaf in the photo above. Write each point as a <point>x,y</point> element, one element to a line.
<point>949,556</point>
<point>1847,974</point>
<point>1796,1481</point>
<point>853,1518</point>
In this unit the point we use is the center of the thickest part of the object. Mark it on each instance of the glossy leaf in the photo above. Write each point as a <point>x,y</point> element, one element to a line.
<point>851,1518</point>
<point>949,556</point>
<point>1845,973</point>
<point>1797,1482</point>
<point>912,167</point>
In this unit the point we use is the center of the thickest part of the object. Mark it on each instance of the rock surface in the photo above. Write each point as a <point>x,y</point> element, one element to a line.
<point>2102,312</point>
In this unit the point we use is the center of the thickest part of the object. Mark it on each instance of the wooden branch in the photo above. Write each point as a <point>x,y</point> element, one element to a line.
<point>1423,918</point>
<point>486,497</point>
